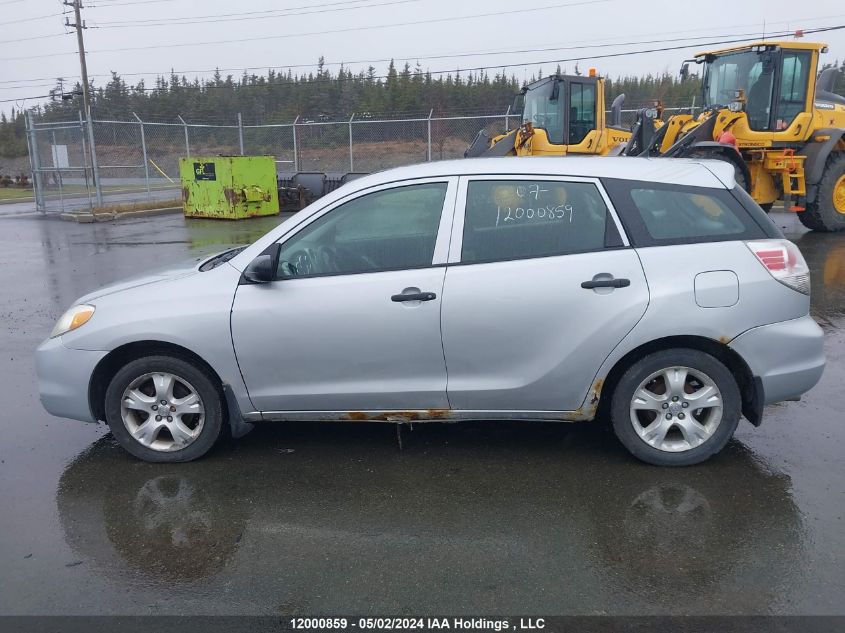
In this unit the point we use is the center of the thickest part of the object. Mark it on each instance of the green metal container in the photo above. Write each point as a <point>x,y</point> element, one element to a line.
<point>229,187</point>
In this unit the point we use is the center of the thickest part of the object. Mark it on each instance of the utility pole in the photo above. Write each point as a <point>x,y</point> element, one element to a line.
<point>79,25</point>
<point>86,97</point>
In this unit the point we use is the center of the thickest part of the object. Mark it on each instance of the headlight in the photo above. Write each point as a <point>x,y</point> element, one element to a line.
<point>76,317</point>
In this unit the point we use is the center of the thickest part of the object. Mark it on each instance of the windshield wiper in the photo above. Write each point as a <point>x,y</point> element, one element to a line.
<point>222,258</point>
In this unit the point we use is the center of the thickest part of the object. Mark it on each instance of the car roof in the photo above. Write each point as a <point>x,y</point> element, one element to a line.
<point>696,173</point>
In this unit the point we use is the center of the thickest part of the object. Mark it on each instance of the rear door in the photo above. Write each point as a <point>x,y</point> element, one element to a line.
<point>520,330</point>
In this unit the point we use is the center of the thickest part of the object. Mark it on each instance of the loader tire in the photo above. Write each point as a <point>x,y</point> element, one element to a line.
<point>827,212</point>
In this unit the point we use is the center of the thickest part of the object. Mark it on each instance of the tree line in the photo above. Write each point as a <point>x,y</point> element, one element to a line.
<point>279,97</point>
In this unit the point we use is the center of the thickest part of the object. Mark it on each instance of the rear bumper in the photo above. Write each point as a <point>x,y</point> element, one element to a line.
<point>787,357</point>
<point>63,378</point>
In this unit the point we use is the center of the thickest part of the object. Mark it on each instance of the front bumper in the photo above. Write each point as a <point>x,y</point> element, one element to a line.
<point>788,357</point>
<point>63,378</point>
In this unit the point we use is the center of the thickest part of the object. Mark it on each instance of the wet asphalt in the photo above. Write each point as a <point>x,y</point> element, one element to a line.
<point>477,518</point>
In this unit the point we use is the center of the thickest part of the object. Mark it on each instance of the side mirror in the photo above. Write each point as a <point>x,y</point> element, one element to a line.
<point>555,90</point>
<point>262,269</point>
<point>684,72</point>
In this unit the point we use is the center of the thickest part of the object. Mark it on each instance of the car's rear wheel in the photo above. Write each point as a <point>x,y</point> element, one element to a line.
<point>676,407</point>
<point>164,409</point>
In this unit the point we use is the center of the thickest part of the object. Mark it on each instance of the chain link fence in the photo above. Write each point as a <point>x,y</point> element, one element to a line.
<point>109,162</point>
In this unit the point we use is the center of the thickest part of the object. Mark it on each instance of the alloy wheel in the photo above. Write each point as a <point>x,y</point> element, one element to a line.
<point>162,411</point>
<point>676,409</point>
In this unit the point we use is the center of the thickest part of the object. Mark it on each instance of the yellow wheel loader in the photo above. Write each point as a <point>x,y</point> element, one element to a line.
<point>561,114</point>
<point>769,113</point>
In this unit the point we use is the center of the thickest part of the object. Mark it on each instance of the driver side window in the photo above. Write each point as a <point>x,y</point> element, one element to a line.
<point>393,229</point>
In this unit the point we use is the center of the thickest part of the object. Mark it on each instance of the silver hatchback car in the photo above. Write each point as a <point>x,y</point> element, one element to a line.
<point>654,293</point>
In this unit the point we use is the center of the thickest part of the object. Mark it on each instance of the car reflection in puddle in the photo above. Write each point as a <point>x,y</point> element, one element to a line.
<point>498,514</point>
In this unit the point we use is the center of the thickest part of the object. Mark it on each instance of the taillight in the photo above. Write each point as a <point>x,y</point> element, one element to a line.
<point>784,262</point>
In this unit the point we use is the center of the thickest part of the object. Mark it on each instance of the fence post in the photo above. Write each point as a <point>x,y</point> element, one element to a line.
<point>58,176</point>
<point>144,152</point>
<point>692,107</point>
<point>95,169</point>
<point>351,162</point>
<point>295,149</point>
<point>187,144</point>
<point>85,161</point>
<point>241,132</point>
<point>34,163</point>
<point>508,119</point>
<point>428,154</point>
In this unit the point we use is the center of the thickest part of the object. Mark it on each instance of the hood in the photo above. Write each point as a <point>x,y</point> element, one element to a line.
<point>184,269</point>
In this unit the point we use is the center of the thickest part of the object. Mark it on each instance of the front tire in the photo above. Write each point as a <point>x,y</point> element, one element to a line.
<point>676,407</point>
<point>827,212</point>
<point>164,409</point>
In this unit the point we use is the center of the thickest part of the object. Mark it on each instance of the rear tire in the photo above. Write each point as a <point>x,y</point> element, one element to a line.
<point>676,407</point>
<point>164,409</point>
<point>827,212</point>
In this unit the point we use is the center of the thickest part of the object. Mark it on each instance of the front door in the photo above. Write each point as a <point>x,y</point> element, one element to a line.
<point>520,332</point>
<point>353,321</point>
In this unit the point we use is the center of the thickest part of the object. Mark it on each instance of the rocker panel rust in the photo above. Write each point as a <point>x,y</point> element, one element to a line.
<point>399,416</point>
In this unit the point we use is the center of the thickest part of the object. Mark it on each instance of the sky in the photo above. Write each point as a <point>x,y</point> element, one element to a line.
<point>144,38</point>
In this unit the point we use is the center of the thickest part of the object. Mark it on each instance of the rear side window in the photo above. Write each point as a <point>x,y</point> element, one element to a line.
<point>656,214</point>
<point>517,219</point>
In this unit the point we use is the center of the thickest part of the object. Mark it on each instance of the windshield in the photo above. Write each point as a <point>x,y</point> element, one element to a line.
<point>746,71</point>
<point>542,111</point>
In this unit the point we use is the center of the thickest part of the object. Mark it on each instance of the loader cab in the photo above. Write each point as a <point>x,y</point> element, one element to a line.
<point>774,82</point>
<point>565,107</point>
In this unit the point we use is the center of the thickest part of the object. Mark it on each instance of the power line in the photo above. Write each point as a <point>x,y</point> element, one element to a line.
<point>27,87</point>
<point>580,58</point>
<point>531,63</point>
<point>33,19</point>
<point>33,37</point>
<point>124,4</point>
<point>245,15</point>
<point>363,28</point>
<point>454,55</point>
<point>25,98</point>
<point>124,25</point>
<point>333,31</point>
<point>443,56</point>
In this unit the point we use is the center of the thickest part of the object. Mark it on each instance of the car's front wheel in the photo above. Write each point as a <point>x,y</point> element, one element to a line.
<point>164,409</point>
<point>676,407</point>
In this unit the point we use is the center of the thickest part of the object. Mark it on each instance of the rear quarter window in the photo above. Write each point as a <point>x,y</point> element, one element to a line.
<point>657,214</point>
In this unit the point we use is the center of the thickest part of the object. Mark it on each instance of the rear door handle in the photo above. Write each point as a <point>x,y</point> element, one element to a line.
<point>414,296</point>
<point>605,283</point>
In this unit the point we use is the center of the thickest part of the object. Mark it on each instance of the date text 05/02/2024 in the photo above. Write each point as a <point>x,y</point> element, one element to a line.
<point>417,624</point>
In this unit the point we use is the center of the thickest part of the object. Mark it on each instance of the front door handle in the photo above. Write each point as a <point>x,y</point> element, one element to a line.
<point>414,296</point>
<point>606,283</point>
